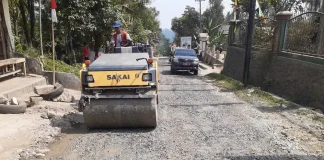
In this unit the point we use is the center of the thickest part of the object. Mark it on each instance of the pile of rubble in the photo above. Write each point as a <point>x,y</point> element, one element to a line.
<point>55,93</point>
<point>6,101</point>
<point>12,106</point>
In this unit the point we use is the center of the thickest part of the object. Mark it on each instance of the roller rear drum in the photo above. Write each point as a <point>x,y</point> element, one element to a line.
<point>121,113</point>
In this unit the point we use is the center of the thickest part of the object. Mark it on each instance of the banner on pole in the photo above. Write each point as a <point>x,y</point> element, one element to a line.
<point>54,17</point>
<point>235,13</point>
<point>186,42</point>
<point>259,11</point>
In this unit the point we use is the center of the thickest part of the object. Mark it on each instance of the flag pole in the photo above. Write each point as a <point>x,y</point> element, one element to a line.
<point>53,50</point>
<point>54,19</point>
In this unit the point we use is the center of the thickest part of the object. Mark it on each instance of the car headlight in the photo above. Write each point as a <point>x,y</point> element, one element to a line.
<point>175,60</point>
<point>147,77</point>
<point>196,60</point>
<point>90,78</point>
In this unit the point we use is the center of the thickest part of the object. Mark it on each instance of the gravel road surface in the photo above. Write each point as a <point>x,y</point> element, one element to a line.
<point>196,121</point>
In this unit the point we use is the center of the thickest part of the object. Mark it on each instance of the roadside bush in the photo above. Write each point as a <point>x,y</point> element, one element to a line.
<point>60,66</point>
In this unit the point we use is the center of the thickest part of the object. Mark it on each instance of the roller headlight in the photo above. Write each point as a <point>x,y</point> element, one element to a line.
<point>90,78</point>
<point>147,77</point>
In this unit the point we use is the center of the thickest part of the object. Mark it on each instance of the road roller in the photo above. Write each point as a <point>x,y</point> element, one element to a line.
<point>120,89</point>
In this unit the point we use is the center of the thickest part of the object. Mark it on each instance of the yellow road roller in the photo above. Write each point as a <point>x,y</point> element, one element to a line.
<point>120,89</point>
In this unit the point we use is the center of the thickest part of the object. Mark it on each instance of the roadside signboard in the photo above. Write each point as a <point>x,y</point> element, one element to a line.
<point>186,42</point>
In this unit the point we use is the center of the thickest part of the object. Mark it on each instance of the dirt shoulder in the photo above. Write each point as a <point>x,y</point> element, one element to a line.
<point>27,135</point>
<point>300,125</point>
<point>198,120</point>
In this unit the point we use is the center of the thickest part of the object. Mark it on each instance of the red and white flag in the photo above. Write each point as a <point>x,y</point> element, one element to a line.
<point>54,17</point>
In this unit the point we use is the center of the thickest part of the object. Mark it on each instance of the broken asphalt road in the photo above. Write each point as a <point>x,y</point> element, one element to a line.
<point>196,121</point>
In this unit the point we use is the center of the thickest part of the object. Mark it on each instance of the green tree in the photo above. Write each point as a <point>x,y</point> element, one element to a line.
<point>213,20</point>
<point>277,5</point>
<point>187,25</point>
<point>214,13</point>
<point>164,46</point>
<point>81,21</point>
<point>144,20</point>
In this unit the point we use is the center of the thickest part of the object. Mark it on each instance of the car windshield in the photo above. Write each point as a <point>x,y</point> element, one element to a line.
<point>185,52</point>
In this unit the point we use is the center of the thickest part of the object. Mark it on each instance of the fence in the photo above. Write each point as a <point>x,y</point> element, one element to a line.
<point>301,35</point>
<point>262,36</point>
<point>293,64</point>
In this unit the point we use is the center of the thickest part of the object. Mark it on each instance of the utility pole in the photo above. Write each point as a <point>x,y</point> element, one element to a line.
<point>200,18</point>
<point>40,27</point>
<point>248,45</point>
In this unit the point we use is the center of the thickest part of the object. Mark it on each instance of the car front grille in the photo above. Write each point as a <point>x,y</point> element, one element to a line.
<point>184,60</point>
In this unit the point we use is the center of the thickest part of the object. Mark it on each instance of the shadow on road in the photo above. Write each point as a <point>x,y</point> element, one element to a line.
<point>278,108</point>
<point>277,157</point>
<point>179,73</point>
<point>166,72</point>
<point>214,105</point>
<point>73,123</point>
<point>163,65</point>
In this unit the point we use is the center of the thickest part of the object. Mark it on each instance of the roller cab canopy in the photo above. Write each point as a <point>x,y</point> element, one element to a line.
<point>119,62</point>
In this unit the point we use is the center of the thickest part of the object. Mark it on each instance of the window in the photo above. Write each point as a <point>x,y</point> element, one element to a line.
<point>185,52</point>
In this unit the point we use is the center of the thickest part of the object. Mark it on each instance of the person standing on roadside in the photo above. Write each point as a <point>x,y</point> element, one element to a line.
<point>86,51</point>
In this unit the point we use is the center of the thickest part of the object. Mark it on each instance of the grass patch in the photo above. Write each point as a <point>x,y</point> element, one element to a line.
<point>226,82</point>
<point>47,60</point>
<point>265,96</point>
<point>60,66</point>
<point>319,119</point>
<point>249,94</point>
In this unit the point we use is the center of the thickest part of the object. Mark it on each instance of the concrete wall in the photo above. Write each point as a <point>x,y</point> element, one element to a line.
<point>234,64</point>
<point>299,81</point>
<point>68,80</point>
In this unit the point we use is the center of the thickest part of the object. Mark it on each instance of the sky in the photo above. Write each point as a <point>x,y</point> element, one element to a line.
<point>175,8</point>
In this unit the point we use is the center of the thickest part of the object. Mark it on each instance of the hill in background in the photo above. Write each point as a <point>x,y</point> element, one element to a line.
<point>169,34</point>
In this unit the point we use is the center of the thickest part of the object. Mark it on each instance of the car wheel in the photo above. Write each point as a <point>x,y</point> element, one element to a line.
<point>196,72</point>
<point>172,70</point>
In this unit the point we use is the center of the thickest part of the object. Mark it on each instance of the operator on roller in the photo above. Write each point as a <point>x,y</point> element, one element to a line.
<point>120,38</point>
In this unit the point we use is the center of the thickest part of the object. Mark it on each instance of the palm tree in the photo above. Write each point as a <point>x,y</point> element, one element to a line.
<point>216,36</point>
